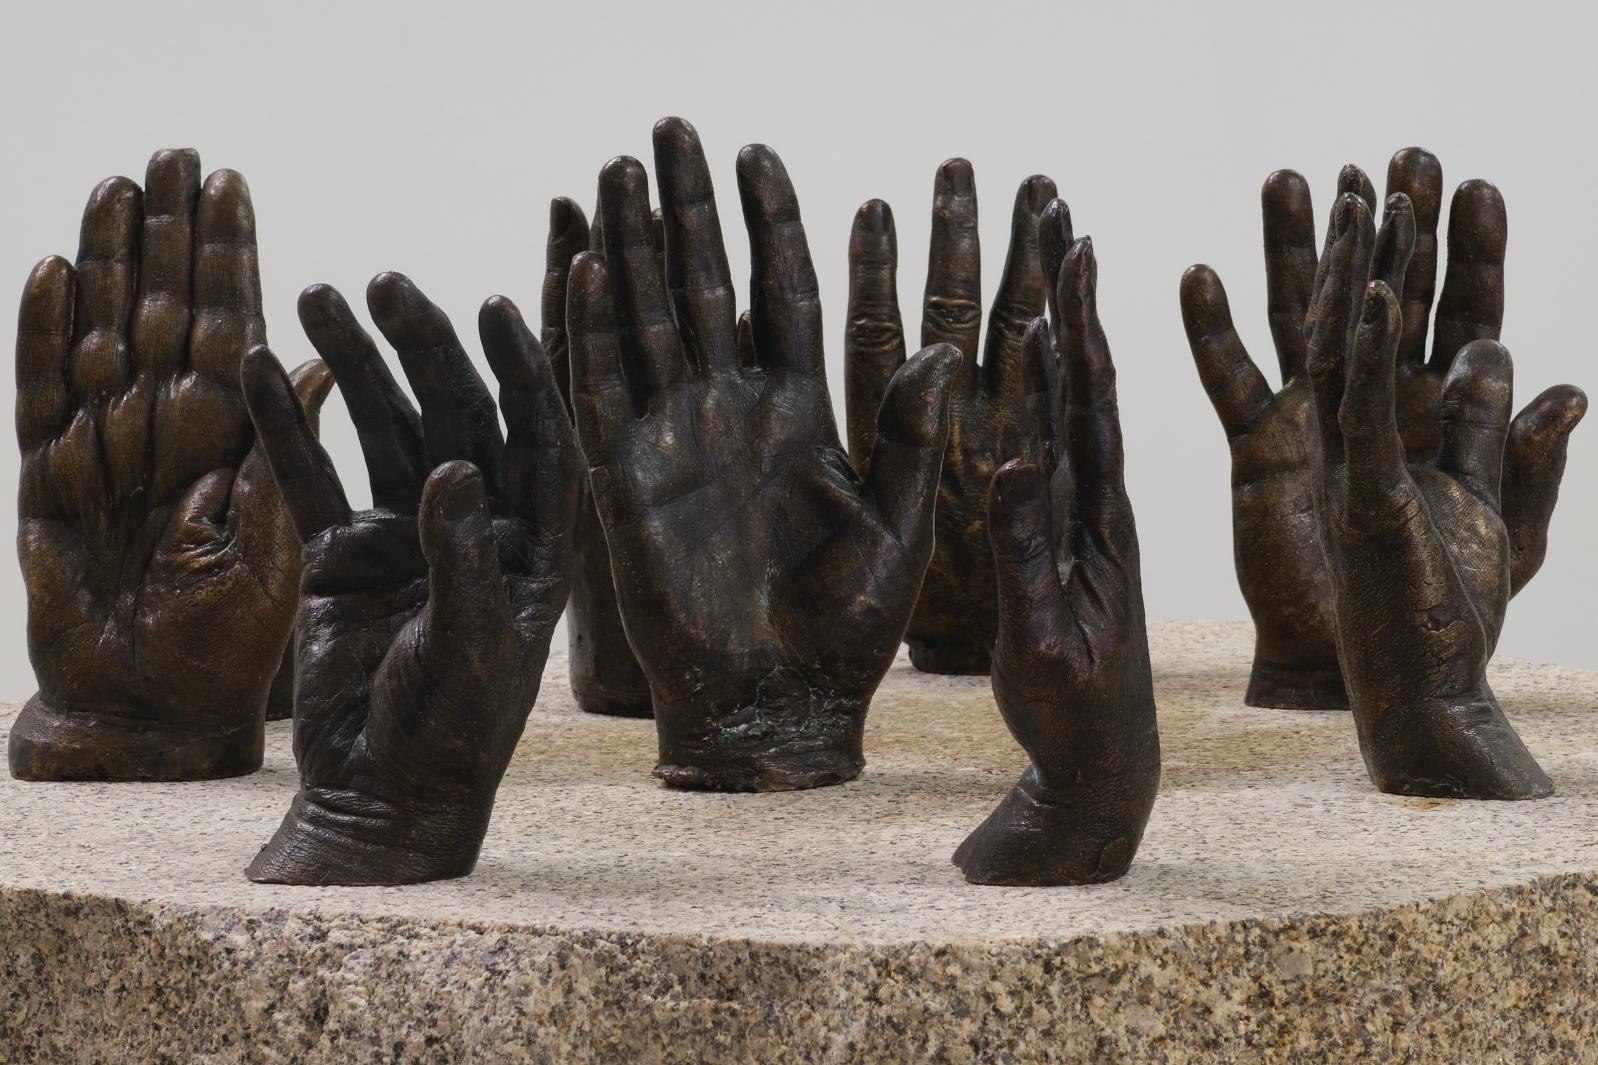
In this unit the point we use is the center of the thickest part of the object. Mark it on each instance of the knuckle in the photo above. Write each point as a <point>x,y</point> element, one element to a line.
<point>874,335</point>
<point>953,314</point>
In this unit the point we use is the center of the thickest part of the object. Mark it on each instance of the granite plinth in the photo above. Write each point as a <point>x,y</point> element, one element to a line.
<point>1280,910</point>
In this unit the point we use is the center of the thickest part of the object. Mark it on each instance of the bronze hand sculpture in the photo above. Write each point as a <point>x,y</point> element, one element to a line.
<point>159,562</point>
<point>956,617</point>
<point>1071,666</point>
<point>1279,563</point>
<point>605,676</point>
<point>764,585</point>
<point>424,622</point>
<point>1417,552</point>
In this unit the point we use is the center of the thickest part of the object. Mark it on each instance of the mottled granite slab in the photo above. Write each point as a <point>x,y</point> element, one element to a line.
<point>1280,910</point>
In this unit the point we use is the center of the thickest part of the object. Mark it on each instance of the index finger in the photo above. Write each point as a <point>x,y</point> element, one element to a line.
<point>1472,303</point>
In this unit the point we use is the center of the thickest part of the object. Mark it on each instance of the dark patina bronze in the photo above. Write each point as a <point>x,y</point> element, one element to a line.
<point>604,672</point>
<point>763,584</point>
<point>956,617</point>
<point>1418,556</point>
<point>1071,667</point>
<point>160,567</point>
<point>425,621</point>
<point>1280,565</point>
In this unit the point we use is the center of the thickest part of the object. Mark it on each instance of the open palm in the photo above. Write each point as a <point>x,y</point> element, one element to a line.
<point>1280,567</point>
<point>990,419</point>
<point>160,566</point>
<point>764,586</point>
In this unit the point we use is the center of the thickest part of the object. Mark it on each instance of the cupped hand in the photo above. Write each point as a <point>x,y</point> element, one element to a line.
<point>1071,669</point>
<point>425,621</point>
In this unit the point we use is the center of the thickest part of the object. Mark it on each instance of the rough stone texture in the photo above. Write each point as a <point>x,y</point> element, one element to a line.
<point>1280,910</point>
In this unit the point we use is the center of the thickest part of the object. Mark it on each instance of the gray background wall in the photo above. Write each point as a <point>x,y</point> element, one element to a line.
<point>430,137</point>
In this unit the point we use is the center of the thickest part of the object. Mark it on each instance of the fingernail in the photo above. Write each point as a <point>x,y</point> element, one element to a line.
<point>1350,179</point>
<point>1349,205</point>
<point>560,216</point>
<point>875,217</point>
<point>1283,187</point>
<point>1375,306</point>
<point>958,177</point>
<point>1575,408</point>
<point>461,491</point>
<point>1039,191</point>
<point>1084,265</point>
<point>1057,214</point>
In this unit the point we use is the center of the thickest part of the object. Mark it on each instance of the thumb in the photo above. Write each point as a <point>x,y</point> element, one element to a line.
<point>1475,418</point>
<point>466,602</point>
<point>1020,527</point>
<point>267,521</point>
<point>912,432</point>
<point>313,382</point>
<point>1534,464</point>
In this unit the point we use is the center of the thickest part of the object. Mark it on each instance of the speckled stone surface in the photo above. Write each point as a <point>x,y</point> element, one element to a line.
<point>1280,910</point>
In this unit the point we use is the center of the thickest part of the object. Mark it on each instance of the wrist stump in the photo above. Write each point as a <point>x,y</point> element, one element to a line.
<point>1458,746</point>
<point>1085,833</point>
<point>1296,686</point>
<point>786,737</point>
<point>111,743</point>
<point>334,836</point>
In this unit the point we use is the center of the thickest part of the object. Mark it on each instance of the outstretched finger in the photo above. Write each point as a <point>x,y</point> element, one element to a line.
<point>44,337</point>
<point>163,315</point>
<point>1475,418</point>
<point>1289,222</point>
<point>1472,304</point>
<point>467,607</point>
<point>650,342</point>
<point>602,405</point>
<point>1334,318</point>
<point>304,473</point>
<point>568,235</point>
<point>1237,389</point>
<point>1043,384</point>
<point>1368,419</point>
<point>1351,181</point>
<point>227,279</point>
<point>459,419</point>
<point>786,305</point>
<point>100,360</point>
<point>1092,419</point>
<point>1395,242</point>
<point>1022,289</point>
<point>873,339</point>
<point>1416,173</point>
<point>952,310</point>
<point>1021,530</point>
<point>1534,465</point>
<point>696,267</point>
<point>1055,236</point>
<point>387,425</point>
<point>538,435</point>
<point>912,432</point>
